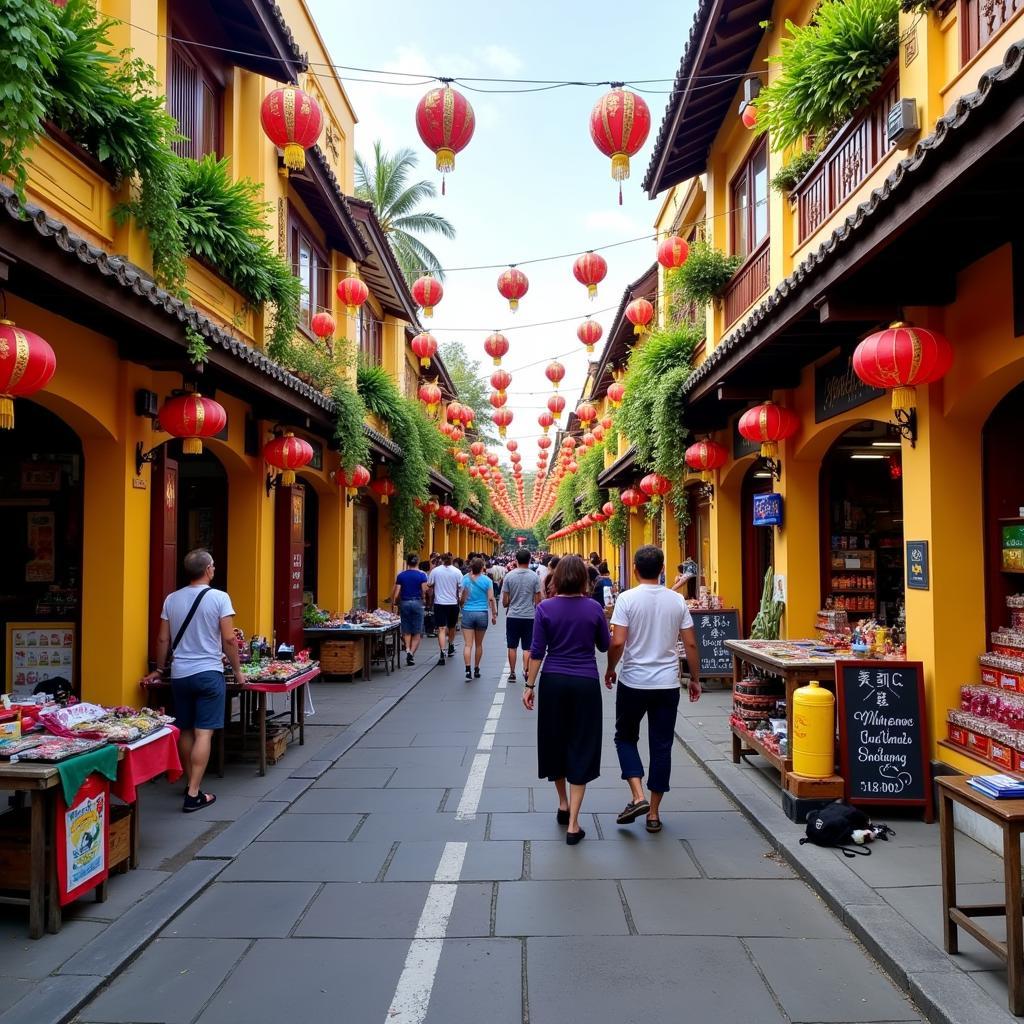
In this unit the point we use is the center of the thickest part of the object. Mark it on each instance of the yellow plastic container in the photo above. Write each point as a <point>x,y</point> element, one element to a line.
<point>814,732</point>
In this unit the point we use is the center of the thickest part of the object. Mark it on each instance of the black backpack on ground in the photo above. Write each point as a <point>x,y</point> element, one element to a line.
<point>834,826</point>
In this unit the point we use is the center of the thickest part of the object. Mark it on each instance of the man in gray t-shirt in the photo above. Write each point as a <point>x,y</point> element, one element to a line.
<point>520,594</point>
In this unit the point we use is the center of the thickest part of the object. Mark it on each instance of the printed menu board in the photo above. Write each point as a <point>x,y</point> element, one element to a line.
<point>37,651</point>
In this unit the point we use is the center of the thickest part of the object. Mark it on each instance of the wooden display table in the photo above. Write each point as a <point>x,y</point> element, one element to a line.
<point>296,686</point>
<point>388,636</point>
<point>1008,815</point>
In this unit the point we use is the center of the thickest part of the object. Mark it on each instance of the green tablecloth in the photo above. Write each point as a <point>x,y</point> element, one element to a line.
<point>75,770</point>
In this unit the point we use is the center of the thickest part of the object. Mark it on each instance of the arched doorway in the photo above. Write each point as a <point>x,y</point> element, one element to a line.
<point>862,524</point>
<point>757,543</point>
<point>41,491</point>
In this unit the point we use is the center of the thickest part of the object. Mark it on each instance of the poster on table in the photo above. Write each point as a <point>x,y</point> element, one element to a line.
<point>883,736</point>
<point>83,839</point>
<point>37,652</point>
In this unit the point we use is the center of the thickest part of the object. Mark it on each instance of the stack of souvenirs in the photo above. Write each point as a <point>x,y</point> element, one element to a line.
<point>759,708</point>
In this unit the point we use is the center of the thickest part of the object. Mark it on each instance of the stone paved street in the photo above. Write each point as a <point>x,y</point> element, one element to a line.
<point>423,877</point>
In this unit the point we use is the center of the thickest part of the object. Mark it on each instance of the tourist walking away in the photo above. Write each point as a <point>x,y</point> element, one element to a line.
<point>197,629</point>
<point>520,595</point>
<point>542,571</point>
<point>603,586</point>
<point>648,622</point>
<point>567,630</point>
<point>548,579</point>
<point>445,583</point>
<point>497,572</point>
<point>409,594</point>
<point>478,604</point>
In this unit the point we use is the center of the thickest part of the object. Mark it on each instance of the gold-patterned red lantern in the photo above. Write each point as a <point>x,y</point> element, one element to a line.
<point>430,396</point>
<point>554,372</point>
<point>191,418</point>
<point>502,419</point>
<point>292,120</point>
<point>590,270</point>
<point>586,414</point>
<point>654,485</point>
<point>705,457</point>
<point>385,489</point>
<point>322,325</point>
<point>427,293</point>
<point>608,508</point>
<point>545,420</point>
<point>496,345</point>
<point>901,357</point>
<point>556,403</point>
<point>287,453</point>
<point>353,293</point>
<point>767,425</point>
<point>500,380</point>
<point>632,499</point>
<point>640,313</point>
<point>27,364</point>
<point>589,332</point>
<point>619,125</point>
<point>498,399</point>
<point>424,346</point>
<point>616,392</point>
<point>445,121</point>
<point>513,285</point>
<point>359,477</point>
<point>672,252</point>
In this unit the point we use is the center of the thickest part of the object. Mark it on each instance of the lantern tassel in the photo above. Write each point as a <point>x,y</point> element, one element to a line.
<point>192,446</point>
<point>592,290</point>
<point>445,162</point>
<point>769,450</point>
<point>294,157</point>
<point>590,349</point>
<point>513,304</point>
<point>383,499</point>
<point>287,478</point>
<point>425,361</point>
<point>6,412</point>
<point>904,399</point>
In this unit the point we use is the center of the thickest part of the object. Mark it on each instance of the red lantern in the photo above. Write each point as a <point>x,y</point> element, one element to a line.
<point>513,285</point>
<point>444,119</point>
<point>353,293</point>
<point>431,507</point>
<point>606,422</point>
<point>446,512</point>
<point>749,115</point>
<point>492,460</point>
<point>457,434</point>
<point>502,418</point>
<point>430,396</point>
<point>288,453</point>
<point>292,120</point>
<point>705,457</point>
<point>477,448</point>
<point>597,517</point>
<point>619,124</point>
<point>640,313</point>
<point>359,477</point>
<point>901,357</point>
<point>512,446</point>
<point>545,420</point>
<point>672,252</point>
<point>569,442</point>
<point>590,269</point>
<point>616,392</point>
<point>608,508</point>
<point>424,346</point>
<point>427,292</point>
<point>589,440</point>
<point>572,466</point>
<point>322,325</point>
<point>632,499</point>
<point>654,485</point>
<point>500,380</point>
<point>597,431</point>
<point>556,403</point>
<point>497,399</point>
<point>27,364</point>
<point>496,345</point>
<point>454,413</point>
<point>516,458</point>
<point>462,458</point>
<point>586,414</point>
<point>554,372</point>
<point>589,332</point>
<point>768,424</point>
<point>190,417</point>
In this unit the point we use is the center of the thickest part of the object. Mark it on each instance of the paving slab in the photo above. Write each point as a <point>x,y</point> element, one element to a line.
<point>308,862</point>
<point>726,825</point>
<point>244,910</point>
<point>478,979</point>
<point>53,1000</point>
<point>719,858</point>
<point>391,827</point>
<point>364,801</point>
<point>354,778</point>
<point>537,825</point>
<point>402,757</point>
<point>556,860</point>
<point>892,867</point>
<point>27,958</point>
<point>560,908</point>
<point>485,861</point>
<point>432,776</point>
<point>505,800</point>
<point>123,892</point>
<point>311,828</point>
<point>288,791</point>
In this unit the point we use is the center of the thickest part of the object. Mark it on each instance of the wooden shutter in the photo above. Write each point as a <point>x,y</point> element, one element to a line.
<point>183,100</point>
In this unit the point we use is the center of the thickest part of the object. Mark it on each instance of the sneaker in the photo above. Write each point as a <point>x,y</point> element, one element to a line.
<point>469,674</point>
<point>440,660</point>
<point>451,650</point>
<point>408,660</point>
<point>511,677</point>
<point>476,673</point>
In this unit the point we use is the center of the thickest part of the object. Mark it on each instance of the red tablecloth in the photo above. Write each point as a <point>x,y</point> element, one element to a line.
<point>141,764</point>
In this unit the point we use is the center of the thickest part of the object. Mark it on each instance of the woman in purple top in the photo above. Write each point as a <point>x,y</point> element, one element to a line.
<point>566,630</point>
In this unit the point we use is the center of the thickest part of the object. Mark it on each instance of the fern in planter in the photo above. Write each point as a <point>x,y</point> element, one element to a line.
<point>705,274</point>
<point>794,170</point>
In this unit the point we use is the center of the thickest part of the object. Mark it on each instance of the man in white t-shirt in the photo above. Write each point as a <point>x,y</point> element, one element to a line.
<point>647,624</point>
<point>197,627</point>
<point>445,582</point>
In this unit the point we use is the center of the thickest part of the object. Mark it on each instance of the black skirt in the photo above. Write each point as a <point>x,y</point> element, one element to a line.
<point>569,728</point>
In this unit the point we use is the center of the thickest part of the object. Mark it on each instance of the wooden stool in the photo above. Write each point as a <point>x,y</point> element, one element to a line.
<point>1009,816</point>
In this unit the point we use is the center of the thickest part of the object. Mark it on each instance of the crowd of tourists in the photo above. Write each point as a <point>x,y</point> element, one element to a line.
<point>560,613</point>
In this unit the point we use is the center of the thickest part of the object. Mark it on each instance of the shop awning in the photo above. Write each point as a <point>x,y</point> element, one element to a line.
<point>622,472</point>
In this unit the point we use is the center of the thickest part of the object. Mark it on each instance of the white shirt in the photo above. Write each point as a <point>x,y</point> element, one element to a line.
<point>447,582</point>
<point>201,648</point>
<point>654,616</point>
<point>542,571</point>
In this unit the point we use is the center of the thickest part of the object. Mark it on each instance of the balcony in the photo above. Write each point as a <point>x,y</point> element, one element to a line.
<point>748,285</point>
<point>848,160</point>
<point>981,21</point>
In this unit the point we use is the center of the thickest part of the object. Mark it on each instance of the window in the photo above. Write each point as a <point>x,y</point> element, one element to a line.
<point>370,347</point>
<point>195,99</point>
<point>749,203</point>
<point>312,267</point>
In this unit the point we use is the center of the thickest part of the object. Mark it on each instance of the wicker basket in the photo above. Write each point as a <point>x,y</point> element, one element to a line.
<point>341,657</point>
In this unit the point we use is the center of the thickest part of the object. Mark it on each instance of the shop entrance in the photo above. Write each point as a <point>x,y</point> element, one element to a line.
<point>311,549</point>
<point>41,472</point>
<point>757,544</point>
<point>289,563</point>
<point>862,525</point>
<point>364,555</point>
<point>1004,502</point>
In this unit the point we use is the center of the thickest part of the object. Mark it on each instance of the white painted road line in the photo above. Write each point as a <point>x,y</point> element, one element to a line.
<point>486,741</point>
<point>473,789</point>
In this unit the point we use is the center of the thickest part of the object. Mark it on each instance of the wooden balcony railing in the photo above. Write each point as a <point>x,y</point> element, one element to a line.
<point>981,21</point>
<point>748,285</point>
<point>857,149</point>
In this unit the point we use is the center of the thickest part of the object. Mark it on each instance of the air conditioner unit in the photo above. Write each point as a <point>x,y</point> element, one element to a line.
<point>902,124</point>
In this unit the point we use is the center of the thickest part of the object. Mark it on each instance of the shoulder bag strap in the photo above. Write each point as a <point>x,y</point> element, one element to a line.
<point>188,618</point>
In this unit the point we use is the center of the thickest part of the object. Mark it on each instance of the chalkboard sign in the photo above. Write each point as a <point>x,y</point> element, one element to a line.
<point>713,629</point>
<point>883,739</point>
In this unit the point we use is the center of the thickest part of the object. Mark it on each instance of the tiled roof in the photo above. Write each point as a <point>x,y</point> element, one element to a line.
<point>300,59</point>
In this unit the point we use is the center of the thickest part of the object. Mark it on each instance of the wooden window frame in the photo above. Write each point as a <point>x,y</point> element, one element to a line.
<point>371,336</point>
<point>746,171</point>
<point>318,286</point>
<point>210,75</point>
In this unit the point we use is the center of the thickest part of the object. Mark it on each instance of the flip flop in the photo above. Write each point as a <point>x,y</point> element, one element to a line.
<point>653,824</point>
<point>632,811</point>
<point>198,802</point>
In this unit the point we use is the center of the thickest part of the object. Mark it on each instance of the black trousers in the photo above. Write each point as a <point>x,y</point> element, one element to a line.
<point>660,707</point>
<point>568,728</point>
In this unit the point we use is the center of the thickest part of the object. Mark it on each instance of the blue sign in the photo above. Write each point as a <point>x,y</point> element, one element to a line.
<point>917,565</point>
<point>768,509</point>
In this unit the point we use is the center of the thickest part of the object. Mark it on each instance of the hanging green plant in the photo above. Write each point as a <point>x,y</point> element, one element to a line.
<point>590,463</point>
<point>705,274</point>
<point>618,524</point>
<point>791,173</point>
<point>350,414</point>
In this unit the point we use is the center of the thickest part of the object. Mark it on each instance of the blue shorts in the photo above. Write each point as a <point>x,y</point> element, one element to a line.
<point>199,701</point>
<point>411,611</point>
<point>474,620</point>
<point>519,633</point>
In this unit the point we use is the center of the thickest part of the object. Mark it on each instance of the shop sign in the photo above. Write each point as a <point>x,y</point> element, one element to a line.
<point>82,839</point>
<point>838,389</point>
<point>1013,548</point>
<point>883,749</point>
<point>917,565</point>
<point>741,446</point>
<point>713,629</point>
<point>768,509</point>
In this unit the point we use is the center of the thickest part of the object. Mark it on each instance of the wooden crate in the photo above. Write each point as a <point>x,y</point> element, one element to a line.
<point>277,742</point>
<point>15,859</point>
<point>814,789</point>
<point>341,657</point>
<point>119,850</point>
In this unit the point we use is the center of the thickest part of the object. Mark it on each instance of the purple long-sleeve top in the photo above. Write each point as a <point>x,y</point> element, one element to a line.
<point>566,632</point>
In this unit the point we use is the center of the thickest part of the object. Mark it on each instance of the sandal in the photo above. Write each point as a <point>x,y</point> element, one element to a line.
<point>198,802</point>
<point>632,811</point>
<point>653,824</point>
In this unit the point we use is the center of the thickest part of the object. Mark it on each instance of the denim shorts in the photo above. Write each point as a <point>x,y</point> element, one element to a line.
<point>475,620</point>
<point>411,611</point>
<point>199,701</point>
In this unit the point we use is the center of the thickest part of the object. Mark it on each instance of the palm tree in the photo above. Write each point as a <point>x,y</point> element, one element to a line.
<point>385,184</point>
